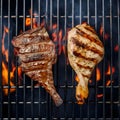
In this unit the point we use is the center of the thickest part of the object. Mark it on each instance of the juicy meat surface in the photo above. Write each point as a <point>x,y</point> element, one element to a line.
<point>37,54</point>
<point>85,50</point>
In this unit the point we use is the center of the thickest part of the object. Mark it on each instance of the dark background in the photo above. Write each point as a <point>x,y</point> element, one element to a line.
<point>29,101</point>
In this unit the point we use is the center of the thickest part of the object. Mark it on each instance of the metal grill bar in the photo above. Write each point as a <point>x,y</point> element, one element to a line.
<point>95,75</point>
<point>73,73</point>
<point>16,62</point>
<point>65,26</point>
<point>103,77</point>
<point>1,96</point>
<point>118,12</point>
<point>54,16</point>
<point>9,61</point>
<point>24,86</point>
<point>88,21</point>
<point>47,96</point>
<point>80,23</point>
<point>39,21</point>
<point>32,90</point>
<point>111,76</point>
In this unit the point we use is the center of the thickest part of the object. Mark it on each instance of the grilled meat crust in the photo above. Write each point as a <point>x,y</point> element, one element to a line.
<point>85,50</point>
<point>37,54</point>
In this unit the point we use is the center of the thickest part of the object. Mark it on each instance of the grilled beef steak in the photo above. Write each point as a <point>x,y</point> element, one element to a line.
<point>85,50</point>
<point>37,54</point>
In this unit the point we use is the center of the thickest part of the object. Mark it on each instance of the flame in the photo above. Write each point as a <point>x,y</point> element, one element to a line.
<point>109,71</point>
<point>4,51</point>
<point>54,36</point>
<point>116,48</point>
<point>106,35</point>
<point>98,74</point>
<point>90,81</point>
<point>5,72</point>
<point>43,23</point>
<point>99,95</point>
<point>28,22</point>
<point>60,42</point>
<point>101,30</point>
<point>76,78</point>
<point>5,78</point>
<point>109,82</point>
<point>54,26</point>
<point>6,29</point>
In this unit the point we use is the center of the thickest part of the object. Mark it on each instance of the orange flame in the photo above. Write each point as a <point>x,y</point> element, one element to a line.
<point>28,22</point>
<point>5,78</point>
<point>108,82</point>
<point>76,78</point>
<point>54,26</point>
<point>5,72</point>
<point>98,74</point>
<point>4,51</point>
<point>109,72</point>
<point>106,35</point>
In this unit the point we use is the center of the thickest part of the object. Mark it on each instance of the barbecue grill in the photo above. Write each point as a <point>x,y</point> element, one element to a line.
<point>21,98</point>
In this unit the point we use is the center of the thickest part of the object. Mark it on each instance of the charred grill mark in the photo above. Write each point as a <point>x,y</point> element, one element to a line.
<point>93,49</point>
<point>81,56</point>
<point>35,48</point>
<point>87,76</point>
<point>42,66</point>
<point>37,30</point>
<point>85,67</point>
<point>35,57</point>
<point>85,35</point>
<point>90,29</point>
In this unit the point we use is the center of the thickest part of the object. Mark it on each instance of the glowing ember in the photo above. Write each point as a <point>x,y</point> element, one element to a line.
<point>90,81</point>
<point>101,30</point>
<point>98,74</point>
<point>54,26</point>
<point>116,48</point>
<point>99,95</point>
<point>106,35</point>
<point>28,22</point>
<point>109,71</point>
<point>43,23</point>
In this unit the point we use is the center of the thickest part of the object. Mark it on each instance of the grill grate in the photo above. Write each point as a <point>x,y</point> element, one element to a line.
<point>32,102</point>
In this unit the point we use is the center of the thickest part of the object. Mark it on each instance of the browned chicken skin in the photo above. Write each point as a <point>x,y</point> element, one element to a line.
<point>37,54</point>
<point>85,50</point>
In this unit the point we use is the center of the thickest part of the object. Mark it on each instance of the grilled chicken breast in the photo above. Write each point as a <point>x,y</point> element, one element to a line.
<point>85,50</point>
<point>37,54</point>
